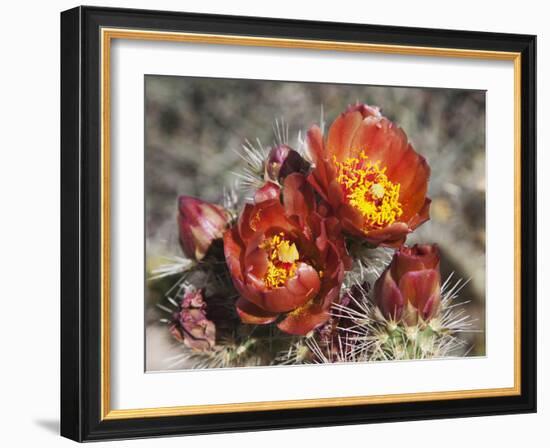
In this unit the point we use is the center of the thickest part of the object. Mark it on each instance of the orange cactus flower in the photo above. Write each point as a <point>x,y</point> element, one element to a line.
<point>286,258</point>
<point>370,174</point>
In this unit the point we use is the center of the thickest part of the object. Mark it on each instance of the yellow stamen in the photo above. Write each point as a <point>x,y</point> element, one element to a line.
<point>276,277</point>
<point>377,191</point>
<point>287,252</point>
<point>368,190</point>
<point>282,256</point>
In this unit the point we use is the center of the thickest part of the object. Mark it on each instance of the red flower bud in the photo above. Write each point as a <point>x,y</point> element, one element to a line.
<point>282,161</point>
<point>410,288</point>
<point>200,223</point>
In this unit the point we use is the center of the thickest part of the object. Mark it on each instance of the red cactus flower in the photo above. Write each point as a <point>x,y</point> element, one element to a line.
<point>371,175</point>
<point>200,223</point>
<point>286,258</point>
<point>410,288</point>
<point>190,324</point>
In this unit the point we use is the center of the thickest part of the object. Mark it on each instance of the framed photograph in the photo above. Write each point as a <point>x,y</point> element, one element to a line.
<point>276,224</point>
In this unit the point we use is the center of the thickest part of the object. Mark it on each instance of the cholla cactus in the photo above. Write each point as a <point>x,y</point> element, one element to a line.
<point>306,261</point>
<point>371,336</point>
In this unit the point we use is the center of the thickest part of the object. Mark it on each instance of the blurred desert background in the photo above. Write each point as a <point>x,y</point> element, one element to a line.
<point>194,126</point>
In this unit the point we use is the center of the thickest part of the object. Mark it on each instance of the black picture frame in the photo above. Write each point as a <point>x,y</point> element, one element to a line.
<point>81,224</point>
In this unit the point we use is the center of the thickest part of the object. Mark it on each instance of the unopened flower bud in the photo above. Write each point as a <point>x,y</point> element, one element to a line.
<point>282,161</point>
<point>410,288</point>
<point>200,223</point>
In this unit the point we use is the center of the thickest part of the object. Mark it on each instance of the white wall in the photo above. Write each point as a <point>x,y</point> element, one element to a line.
<point>29,235</point>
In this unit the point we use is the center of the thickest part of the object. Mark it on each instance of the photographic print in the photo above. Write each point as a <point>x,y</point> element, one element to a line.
<point>260,201</point>
<point>306,223</point>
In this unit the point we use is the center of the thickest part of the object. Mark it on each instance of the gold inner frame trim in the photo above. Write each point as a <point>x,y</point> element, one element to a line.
<point>107,35</point>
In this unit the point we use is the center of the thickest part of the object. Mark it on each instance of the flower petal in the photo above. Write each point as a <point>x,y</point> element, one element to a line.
<point>393,235</point>
<point>422,216</point>
<point>310,316</point>
<point>414,187</point>
<point>351,219</point>
<point>303,320</point>
<point>315,144</point>
<point>306,281</point>
<point>297,291</point>
<point>298,197</point>
<point>408,168</point>
<point>271,214</point>
<point>431,307</point>
<point>233,250</point>
<point>256,262</point>
<point>381,141</point>
<point>335,195</point>
<point>244,223</point>
<point>267,192</point>
<point>341,133</point>
<point>418,287</point>
<point>319,178</point>
<point>252,314</point>
<point>388,297</point>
